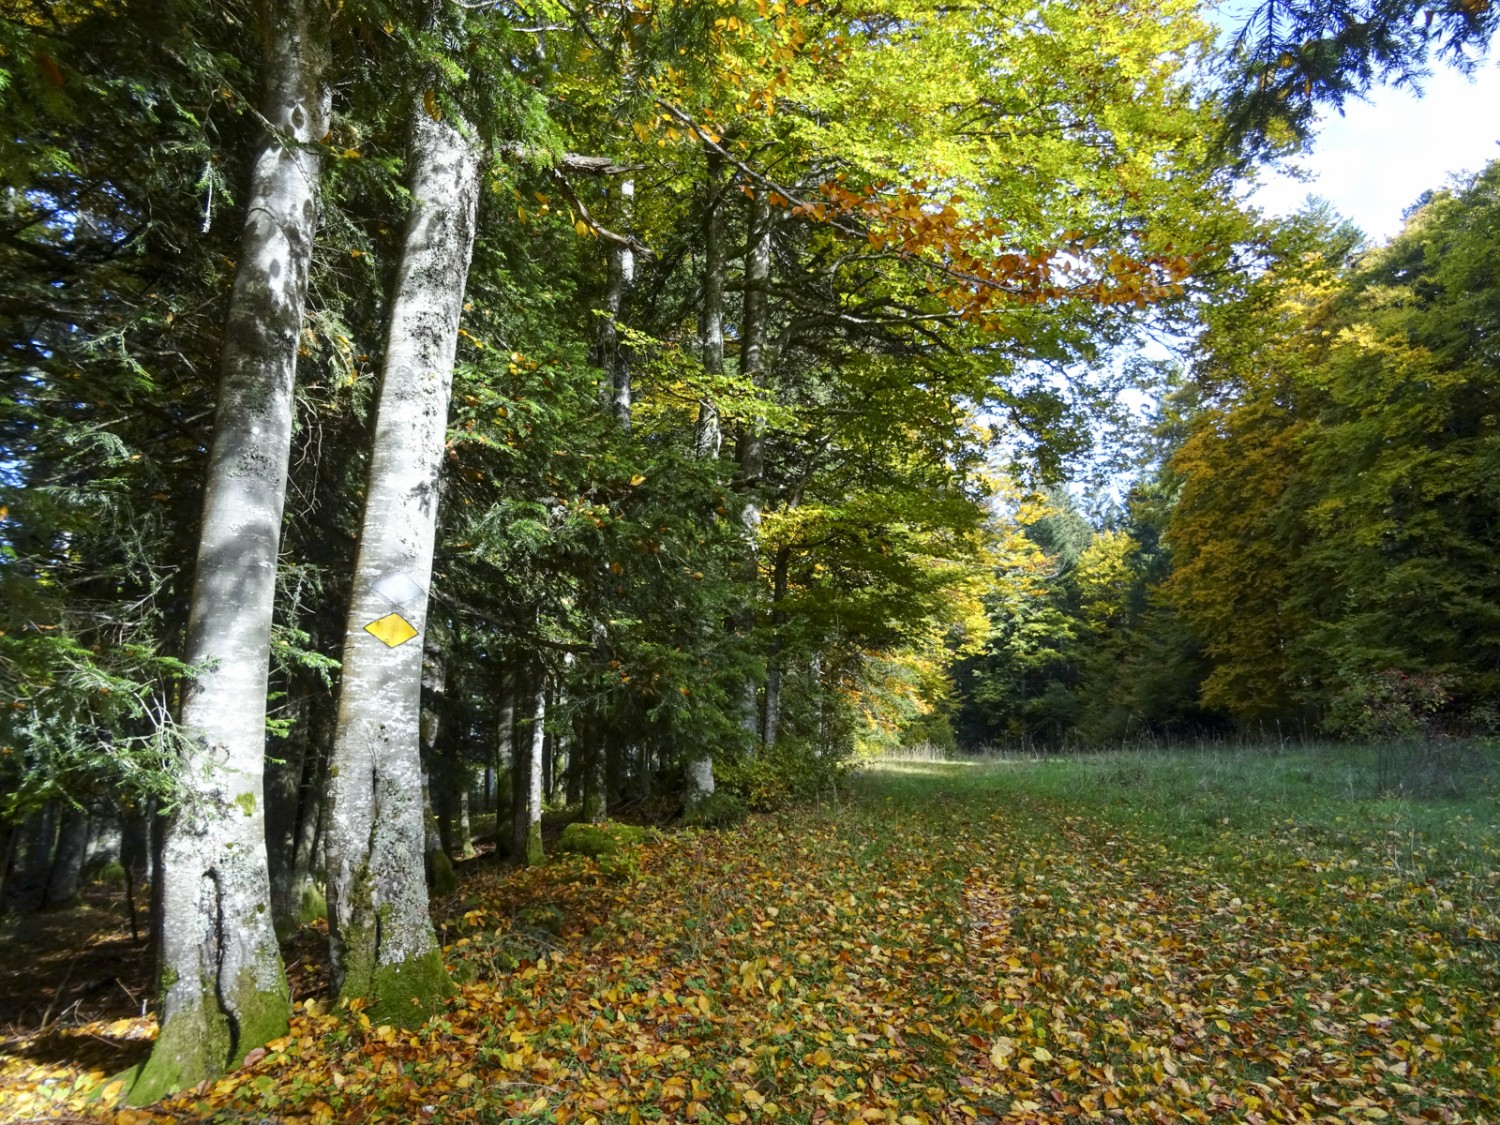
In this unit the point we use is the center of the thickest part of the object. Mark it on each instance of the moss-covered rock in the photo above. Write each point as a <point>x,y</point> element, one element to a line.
<point>597,840</point>
<point>541,918</point>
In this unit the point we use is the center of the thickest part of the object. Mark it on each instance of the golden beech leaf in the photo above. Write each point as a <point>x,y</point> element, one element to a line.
<point>430,104</point>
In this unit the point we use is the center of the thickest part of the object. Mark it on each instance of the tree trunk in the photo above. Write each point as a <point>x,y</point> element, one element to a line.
<point>67,861</point>
<point>302,882</point>
<point>775,657</point>
<point>593,771</point>
<point>707,434</point>
<point>505,756</point>
<point>457,784</point>
<point>549,750</point>
<point>815,673</point>
<point>285,777</point>
<point>615,354</point>
<point>135,857</point>
<point>592,766</point>
<point>526,829</point>
<point>33,866</point>
<point>437,847</point>
<point>382,942</point>
<point>223,989</point>
<point>752,444</point>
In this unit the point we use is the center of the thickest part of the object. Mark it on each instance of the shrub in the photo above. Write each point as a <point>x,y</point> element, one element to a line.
<point>780,776</point>
<point>1390,704</point>
<point>720,809</point>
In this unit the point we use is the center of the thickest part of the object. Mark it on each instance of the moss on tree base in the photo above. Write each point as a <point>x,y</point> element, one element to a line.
<point>200,1041</point>
<point>405,995</point>
<point>535,857</point>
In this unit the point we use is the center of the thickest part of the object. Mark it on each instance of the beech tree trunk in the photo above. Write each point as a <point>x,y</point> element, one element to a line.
<point>437,849</point>
<point>752,445</point>
<point>616,354</point>
<point>526,828</point>
<point>505,741</point>
<point>294,792</point>
<point>382,942</point>
<point>223,988</point>
<point>592,768</point>
<point>708,434</point>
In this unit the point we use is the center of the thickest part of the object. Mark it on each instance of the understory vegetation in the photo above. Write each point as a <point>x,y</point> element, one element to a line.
<point>1254,934</point>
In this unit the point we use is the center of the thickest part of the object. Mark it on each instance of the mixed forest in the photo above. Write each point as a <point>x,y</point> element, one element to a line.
<point>427,423</point>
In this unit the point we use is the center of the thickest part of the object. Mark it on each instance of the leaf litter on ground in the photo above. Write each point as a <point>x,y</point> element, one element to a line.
<point>933,950</point>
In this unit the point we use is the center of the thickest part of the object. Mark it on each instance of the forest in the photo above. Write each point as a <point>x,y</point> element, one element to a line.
<point>467,464</point>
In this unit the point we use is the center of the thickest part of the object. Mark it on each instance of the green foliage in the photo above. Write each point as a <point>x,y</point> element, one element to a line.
<point>1336,517</point>
<point>599,839</point>
<point>1387,707</point>
<point>781,775</point>
<point>720,809</point>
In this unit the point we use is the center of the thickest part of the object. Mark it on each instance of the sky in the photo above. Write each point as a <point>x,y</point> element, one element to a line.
<point>1373,162</point>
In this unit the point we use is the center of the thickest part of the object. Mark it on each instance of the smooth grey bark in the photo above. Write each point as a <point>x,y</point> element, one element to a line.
<point>463,830</point>
<point>534,857</point>
<point>526,775</point>
<point>283,784</point>
<point>815,674</point>
<point>223,989</point>
<point>593,768</point>
<point>615,353</point>
<point>382,942</point>
<point>752,444</point>
<point>294,791</point>
<point>707,433</point>
<point>593,761</point>
<point>559,739</point>
<point>549,748</point>
<point>437,848</point>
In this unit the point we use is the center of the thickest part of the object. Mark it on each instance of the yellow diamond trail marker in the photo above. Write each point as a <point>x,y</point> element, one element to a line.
<point>391,630</point>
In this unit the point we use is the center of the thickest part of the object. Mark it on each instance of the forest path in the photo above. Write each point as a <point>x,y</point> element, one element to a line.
<point>949,944</point>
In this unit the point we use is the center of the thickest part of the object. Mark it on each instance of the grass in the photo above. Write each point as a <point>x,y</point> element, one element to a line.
<point>1222,935</point>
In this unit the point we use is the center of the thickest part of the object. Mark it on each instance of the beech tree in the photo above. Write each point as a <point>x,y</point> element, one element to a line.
<point>383,944</point>
<point>223,988</point>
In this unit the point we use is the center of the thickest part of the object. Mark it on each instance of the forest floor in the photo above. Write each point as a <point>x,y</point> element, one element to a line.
<point>1206,937</point>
